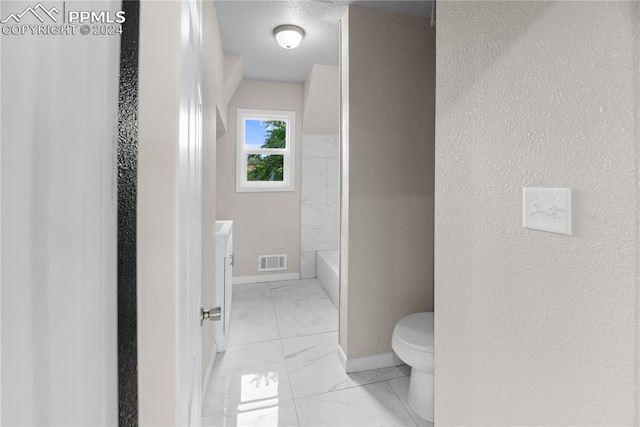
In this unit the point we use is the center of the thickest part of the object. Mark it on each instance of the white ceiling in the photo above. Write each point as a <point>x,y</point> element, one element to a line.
<point>246,29</point>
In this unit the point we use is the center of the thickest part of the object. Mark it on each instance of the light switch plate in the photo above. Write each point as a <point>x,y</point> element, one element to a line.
<point>547,209</point>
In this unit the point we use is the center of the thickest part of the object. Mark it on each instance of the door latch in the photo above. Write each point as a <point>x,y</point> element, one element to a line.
<point>213,314</point>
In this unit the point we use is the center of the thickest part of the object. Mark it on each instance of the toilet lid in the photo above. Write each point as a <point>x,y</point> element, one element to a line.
<point>416,330</point>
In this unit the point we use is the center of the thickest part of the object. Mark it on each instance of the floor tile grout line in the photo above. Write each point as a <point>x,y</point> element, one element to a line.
<point>301,302</point>
<point>293,396</point>
<point>305,299</point>
<point>284,357</point>
<point>343,389</point>
<point>252,342</point>
<point>289,282</point>
<point>310,335</point>
<point>252,305</point>
<point>401,402</point>
<point>274,315</point>
<point>295,403</point>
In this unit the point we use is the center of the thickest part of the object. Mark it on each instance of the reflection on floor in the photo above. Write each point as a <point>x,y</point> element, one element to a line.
<point>281,367</point>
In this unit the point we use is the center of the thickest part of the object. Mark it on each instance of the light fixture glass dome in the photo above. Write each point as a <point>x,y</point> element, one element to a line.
<point>288,36</point>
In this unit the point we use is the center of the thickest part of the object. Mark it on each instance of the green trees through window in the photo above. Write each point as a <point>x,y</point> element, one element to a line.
<point>269,167</point>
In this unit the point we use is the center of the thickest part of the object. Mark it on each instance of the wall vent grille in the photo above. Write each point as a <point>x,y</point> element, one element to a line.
<point>272,262</point>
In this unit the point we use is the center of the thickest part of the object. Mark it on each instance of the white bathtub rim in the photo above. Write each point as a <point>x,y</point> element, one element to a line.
<point>328,275</point>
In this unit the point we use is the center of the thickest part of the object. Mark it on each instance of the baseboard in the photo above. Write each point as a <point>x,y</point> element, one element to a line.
<point>207,374</point>
<point>376,361</point>
<point>261,278</point>
<point>342,357</point>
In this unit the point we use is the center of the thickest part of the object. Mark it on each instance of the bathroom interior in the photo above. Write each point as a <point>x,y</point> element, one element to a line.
<point>531,327</point>
<point>528,95</point>
<point>312,266</point>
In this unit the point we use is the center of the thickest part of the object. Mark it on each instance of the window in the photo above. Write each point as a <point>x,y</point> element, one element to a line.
<point>264,159</point>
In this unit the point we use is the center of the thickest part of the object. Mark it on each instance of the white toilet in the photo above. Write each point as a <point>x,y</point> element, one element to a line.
<point>412,341</point>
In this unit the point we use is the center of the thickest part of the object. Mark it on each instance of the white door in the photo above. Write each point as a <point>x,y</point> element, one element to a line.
<point>58,122</point>
<point>190,216</point>
<point>169,220</point>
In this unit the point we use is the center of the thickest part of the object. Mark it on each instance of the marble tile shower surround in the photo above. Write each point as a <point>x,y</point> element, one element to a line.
<point>320,199</point>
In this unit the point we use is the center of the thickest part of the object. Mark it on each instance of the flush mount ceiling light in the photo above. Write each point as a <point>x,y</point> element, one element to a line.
<point>288,36</point>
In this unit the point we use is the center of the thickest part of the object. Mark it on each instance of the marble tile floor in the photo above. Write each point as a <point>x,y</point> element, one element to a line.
<point>281,367</point>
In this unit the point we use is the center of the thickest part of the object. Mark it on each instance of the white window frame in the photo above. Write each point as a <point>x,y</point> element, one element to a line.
<point>287,184</point>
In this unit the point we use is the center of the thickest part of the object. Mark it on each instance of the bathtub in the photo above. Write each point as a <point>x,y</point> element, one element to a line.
<point>328,273</point>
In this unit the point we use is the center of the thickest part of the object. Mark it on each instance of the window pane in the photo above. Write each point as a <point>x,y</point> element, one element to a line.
<point>265,133</point>
<point>262,167</point>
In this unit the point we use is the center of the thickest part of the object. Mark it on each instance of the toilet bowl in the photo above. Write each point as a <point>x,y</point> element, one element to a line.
<point>412,341</point>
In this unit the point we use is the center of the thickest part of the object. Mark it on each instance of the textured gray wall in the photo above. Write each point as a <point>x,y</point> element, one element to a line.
<point>536,328</point>
<point>388,100</point>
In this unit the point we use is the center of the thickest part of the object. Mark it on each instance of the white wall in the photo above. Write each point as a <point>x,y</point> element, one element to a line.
<point>387,136</point>
<point>535,328</point>
<point>264,223</point>
<point>59,227</point>
<point>322,100</point>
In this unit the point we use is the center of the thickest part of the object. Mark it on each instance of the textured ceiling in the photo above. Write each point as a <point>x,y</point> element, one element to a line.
<point>246,28</point>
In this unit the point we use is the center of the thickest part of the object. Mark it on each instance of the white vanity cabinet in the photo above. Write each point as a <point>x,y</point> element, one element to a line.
<point>224,268</point>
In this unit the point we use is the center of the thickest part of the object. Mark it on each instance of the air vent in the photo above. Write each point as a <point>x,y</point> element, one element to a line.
<point>272,262</point>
